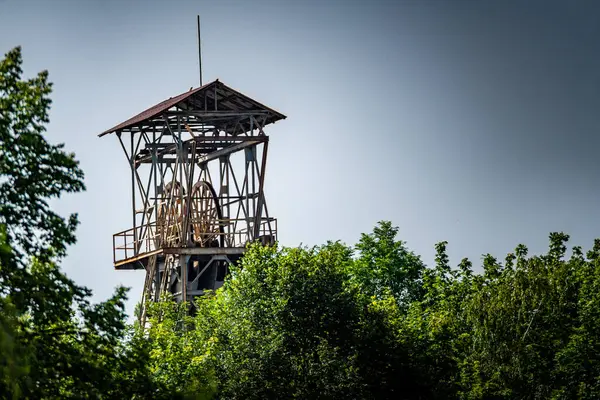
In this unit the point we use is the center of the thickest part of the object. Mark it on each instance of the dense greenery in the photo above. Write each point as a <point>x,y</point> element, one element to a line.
<point>53,342</point>
<point>332,321</point>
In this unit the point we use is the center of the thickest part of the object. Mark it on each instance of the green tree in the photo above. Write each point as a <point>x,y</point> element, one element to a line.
<point>179,355</point>
<point>385,264</point>
<point>32,170</point>
<point>322,323</point>
<point>290,322</point>
<point>53,342</point>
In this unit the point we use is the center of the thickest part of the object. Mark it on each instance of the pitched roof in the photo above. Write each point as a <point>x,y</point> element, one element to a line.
<point>227,99</point>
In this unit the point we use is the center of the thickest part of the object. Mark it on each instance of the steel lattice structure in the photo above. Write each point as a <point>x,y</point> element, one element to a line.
<point>198,164</point>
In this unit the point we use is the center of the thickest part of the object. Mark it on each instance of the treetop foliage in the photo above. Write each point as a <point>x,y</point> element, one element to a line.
<point>32,170</point>
<point>53,342</point>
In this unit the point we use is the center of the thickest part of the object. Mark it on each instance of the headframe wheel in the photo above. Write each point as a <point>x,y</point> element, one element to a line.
<point>206,216</point>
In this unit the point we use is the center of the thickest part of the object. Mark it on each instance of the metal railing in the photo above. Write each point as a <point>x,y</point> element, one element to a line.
<point>150,237</point>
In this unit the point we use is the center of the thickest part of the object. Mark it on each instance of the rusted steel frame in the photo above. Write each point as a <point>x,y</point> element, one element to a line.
<point>208,264</point>
<point>217,114</point>
<point>155,129</point>
<point>152,273</point>
<point>269,219</point>
<point>119,134</point>
<point>122,233</point>
<point>156,166</point>
<point>232,127</point>
<point>162,125</point>
<point>220,92</point>
<point>147,291</point>
<point>261,187</point>
<point>227,139</point>
<point>204,250</point>
<point>231,95</point>
<point>169,147</point>
<point>229,124</point>
<point>142,189</point>
<point>156,281</point>
<point>168,170</point>
<point>173,275</point>
<point>236,200</point>
<point>176,273</point>
<point>128,232</point>
<point>229,150</point>
<point>170,202</point>
<point>224,97</point>
<point>148,210</point>
<point>203,129</point>
<point>133,182</point>
<point>168,126</point>
<point>241,202</point>
<point>124,236</point>
<point>259,125</point>
<point>207,146</point>
<point>170,273</point>
<point>130,160</point>
<point>186,208</point>
<point>224,184</point>
<point>139,129</point>
<point>222,121</point>
<point>227,206</point>
<point>137,146</point>
<point>254,168</point>
<point>238,124</point>
<point>166,276</point>
<point>144,135</point>
<point>245,188</point>
<point>163,174</point>
<point>202,175</point>
<point>145,196</point>
<point>183,155</point>
<point>189,148</point>
<point>210,179</point>
<point>137,258</point>
<point>183,271</point>
<point>163,171</point>
<point>133,174</point>
<point>144,199</point>
<point>217,257</point>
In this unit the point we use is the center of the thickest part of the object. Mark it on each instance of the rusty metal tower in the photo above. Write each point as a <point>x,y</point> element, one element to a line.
<point>197,164</point>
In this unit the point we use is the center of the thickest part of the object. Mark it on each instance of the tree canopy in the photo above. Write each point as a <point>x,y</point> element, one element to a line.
<point>53,342</point>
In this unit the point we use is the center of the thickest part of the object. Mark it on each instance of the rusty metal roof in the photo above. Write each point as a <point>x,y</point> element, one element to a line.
<point>227,99</point>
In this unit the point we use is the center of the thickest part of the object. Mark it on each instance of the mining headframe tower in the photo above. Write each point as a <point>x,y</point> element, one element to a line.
<point>197,164</point>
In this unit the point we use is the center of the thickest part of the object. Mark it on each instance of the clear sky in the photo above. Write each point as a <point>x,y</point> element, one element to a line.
<point>474,122</point>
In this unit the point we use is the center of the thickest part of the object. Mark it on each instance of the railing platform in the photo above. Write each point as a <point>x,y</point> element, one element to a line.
<point>137,262</point>
<point>132,248</point>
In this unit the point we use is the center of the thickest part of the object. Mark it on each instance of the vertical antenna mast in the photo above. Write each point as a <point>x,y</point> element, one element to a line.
<point>199,52</point>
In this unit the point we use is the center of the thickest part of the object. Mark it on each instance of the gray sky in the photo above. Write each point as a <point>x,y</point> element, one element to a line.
<point>467,121</point>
